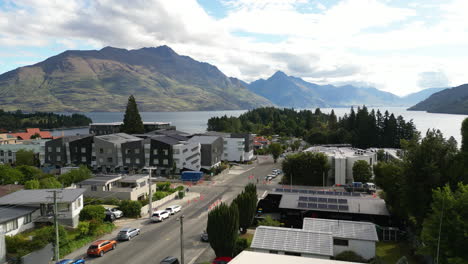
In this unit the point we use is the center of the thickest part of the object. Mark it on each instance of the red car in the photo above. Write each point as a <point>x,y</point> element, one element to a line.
<point>221,260</point>
<point>98,248</point>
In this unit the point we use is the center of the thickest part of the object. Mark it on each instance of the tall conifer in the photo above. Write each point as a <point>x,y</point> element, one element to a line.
<point>132,123</point>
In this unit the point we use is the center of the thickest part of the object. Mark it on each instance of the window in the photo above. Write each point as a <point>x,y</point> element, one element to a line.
<point>128,151</point>
<point>109,159</point>
<point>273,251</point>
<point>83,150</point>
<point>59,158</point>
<point>155,151</point>
<point>137,151</point>
<point>9,153</point>
<point>27,218</point>
<point>57,149</point>
<point>176,151</point>
<point>166,152</point>
<point>225,154</point>
<point>127,160</point>
<point>165,162</point>
<point>49,149</point>
<point>101,150</point>
<point>83,159</point>
<point>93,188</point>
<point>340,242</point>
<point>11,225</point>
<point>63,207</point>
<point>78,202</point>
<point>156,161</point>
<point>137,161</point>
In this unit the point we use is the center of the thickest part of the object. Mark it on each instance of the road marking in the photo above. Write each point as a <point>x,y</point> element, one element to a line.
<point>197,256</point>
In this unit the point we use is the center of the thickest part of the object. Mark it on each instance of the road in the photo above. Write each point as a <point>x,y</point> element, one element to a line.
<point>158,240</point>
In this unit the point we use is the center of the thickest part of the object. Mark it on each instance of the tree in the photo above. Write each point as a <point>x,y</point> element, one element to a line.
<point>32,184</point>
<point>30,172</point>
<point>275,150</point>
<point>389,177</point>
<point>268,221</point>
<point>464,133</point>
<point>362,171</point>
<point>75,176</point>
<point>223,228</point>
<point>25,157</point>
<point>9,175</point>
<point>350,256</point>
<point>247,205</point>
<point>381,156</point>
<point>131,208</point>
<point>49,183</point>
<point>295,145</point>
<point>447,220</point>
<point>305,168</point>
<point>93,212</point>
<point>132,123</point>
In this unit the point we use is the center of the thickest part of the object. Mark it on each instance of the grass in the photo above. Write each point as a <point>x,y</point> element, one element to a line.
<point>391,252</point>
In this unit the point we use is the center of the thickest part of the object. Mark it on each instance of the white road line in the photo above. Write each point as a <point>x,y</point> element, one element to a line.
<point>197,256</point>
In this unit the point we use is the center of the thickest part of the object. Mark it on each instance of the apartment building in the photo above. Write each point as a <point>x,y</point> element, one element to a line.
<point>119,152</point>
<point>8,151</point>
<point>70,150</point>
<point>211,150</point>
<point>100,129</point>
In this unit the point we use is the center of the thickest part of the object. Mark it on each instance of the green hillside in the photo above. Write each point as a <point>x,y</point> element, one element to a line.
<point>449,101</point>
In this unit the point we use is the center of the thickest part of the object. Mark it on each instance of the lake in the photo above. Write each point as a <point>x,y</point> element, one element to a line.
<point>193,122</point>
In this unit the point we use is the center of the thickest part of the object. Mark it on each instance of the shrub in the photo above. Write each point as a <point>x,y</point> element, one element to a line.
<point>131,208</point>
<point>241,244</point>
<point>159,195</point>
<point>163,186</point>
<point>50,183</point>
<point>181,194</point>
<point>112,201</point>
<point>350,256</point>
<point>32,184</point>
<point>180,188</point>
<point>93,212</point>
<point>83,228</point>
<point>268,221</point>
<point>91,200</point>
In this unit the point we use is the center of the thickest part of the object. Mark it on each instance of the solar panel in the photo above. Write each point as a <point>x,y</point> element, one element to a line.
<point>356,194</point>
<point>287,190</point>
<point>312,205</point>
<point>303,205</point>
<point>322,206</point>
<point>346,194</point>
<point>303,191</point>
<point>329,193</point>
<point>312,191</point>
<point>343,208</point>
<point>313,199</point>
<point>303,198</point>
<point>279,190</point>
<point>342,201</point>
<point>321,192</point>
<point>294,190</point>
<point>333,206</point>
<point>332,200</point>
<point>337,193</point>
<point>322,200</point>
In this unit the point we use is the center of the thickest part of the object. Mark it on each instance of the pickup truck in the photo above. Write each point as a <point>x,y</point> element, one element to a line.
<point>360,187</point>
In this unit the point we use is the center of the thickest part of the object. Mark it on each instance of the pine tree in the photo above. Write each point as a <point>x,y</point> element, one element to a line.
<point>223,228</point>
<point>132,123</point>
<point>464,133</point>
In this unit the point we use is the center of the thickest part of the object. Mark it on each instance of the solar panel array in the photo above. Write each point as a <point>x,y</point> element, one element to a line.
<point>303,191</point>
<point>321,206</point>
<point>323,203</point>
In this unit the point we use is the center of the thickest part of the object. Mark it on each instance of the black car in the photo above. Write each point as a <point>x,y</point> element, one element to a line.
<point>109,218</point>
<point>204,236</point>
<point>170,260</point>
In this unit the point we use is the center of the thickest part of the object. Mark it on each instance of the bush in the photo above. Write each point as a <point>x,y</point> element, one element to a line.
<point>50,183</point>
<point>91,200</point>
<point>241,244</point>
<point>163,186</point>
<point>93,212</point>
<point>159,195</point>
<point>180,188</point>
<point>83,228</point>
<point>268,221</point>
<point>32,184</point>
<point>111,201</point>
<point>181,194</point>
<point>350,256</point>
<point>131,208</point>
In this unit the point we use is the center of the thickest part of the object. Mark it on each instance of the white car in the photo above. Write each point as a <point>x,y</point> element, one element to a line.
<point>114,211</point>
<point>173,209</point>
<point>159,216</point>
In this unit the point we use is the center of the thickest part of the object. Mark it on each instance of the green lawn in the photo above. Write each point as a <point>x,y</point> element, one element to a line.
<point>391,252</point>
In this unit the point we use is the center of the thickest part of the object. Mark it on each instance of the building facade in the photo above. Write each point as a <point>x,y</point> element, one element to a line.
<point>8,151</point>
<point>119,152</point>
<point>100,129</point>
<point>211,150</point>
<point>70,151</point>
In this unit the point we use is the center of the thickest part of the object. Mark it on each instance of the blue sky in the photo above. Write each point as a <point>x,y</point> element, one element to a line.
<point>398,46</point>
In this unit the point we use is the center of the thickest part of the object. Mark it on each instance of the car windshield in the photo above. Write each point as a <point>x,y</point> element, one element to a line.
<point>93,247</point>
<point>123,232</point>
<point>168,209</point>
<point>156,215</point>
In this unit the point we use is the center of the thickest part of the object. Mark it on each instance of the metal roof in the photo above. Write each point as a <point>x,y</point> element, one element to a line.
<point>356,205</point>
<point>293,240</point>
<point>204,139</point>
<point>134,178</point>
<point>25,197</point>
<point>100,180</point>
<point>342,228</point>
<point>10,213</point>
<point>119,138</point>
<point>166,139</point>
<point>249,257</point>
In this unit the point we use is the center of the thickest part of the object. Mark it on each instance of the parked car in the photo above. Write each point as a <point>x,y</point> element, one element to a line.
<point>109,218</point>
<point>173,209</point>
<point>268,178</point>
<point>116,212</point>
<point>71,261</point>
<point>159,216</point>
<point>170,260</point>
<point>98,248</point>
<point>221,260</point>
<point>128,233</point>
<point>204,236</point>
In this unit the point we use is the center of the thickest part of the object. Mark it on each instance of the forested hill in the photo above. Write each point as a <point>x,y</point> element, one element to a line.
<point>450,101</point>
<point>360,127</point>
<point>12,121</point>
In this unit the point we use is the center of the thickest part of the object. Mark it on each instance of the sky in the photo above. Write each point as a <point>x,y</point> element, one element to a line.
<point>399,46</point>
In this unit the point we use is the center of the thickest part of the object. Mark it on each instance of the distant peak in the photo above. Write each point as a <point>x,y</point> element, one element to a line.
<point>279,74</point>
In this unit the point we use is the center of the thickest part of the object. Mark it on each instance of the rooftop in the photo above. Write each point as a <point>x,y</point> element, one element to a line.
<point>121,123</point>
<point>9,188</point>
<point>100,180</point>
<point>15,147</point>
<point>30,132</point>
<point>248,257</point>
<point>10,213</point>
<point>293,240</point>
<point>342,152</point>
<point>204,139</point>
<point>342,228</point>
<point>25,197</point>
<point>119,138</point>
<point>134,178</point>
<point>166,139</point>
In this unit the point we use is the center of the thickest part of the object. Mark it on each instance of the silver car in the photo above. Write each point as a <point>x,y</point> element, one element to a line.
<point>128,233</point>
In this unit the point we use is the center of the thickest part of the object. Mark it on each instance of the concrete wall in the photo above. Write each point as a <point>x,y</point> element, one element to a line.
<point>364,248</point>
<point>119,193</point>
<point>156,204</point>
<point>233,149</point>
<point>187,155</point>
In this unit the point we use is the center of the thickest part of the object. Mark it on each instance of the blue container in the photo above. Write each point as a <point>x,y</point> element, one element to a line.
<point>192,176</point>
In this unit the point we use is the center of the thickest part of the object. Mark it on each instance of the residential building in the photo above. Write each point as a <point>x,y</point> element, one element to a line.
<point>70,203</point>
<point>260,142</point>
<point>99,129</point>
<point>8,151</point>
<point>32,132</point>
<point>236,146</point>
<point>360,237</point>
<point>341,160</point>
<point>17,219</point>
<point>2,245</point>
<point>248,144</point>
<point>173,152</point>
<point>70,150</point>
<point>295,242</point>
<point>211,150</point>
<point>249,257</point>
<point>132,187</point>
<point>119,152</point>
<point>8,139</point>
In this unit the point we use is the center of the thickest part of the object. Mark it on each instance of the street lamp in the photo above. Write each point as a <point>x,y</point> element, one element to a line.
<point>150,204</point>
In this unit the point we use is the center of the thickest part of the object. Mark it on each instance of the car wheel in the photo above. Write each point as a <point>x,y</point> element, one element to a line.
<point>113,247</point>
<point>101,253</point>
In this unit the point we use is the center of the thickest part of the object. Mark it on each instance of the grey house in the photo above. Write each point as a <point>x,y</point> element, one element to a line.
<point>70,150</point>
<point>119,152</point>
<point>211,150</point>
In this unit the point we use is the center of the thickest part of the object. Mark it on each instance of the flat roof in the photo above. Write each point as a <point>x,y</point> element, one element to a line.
<point>204,139</point>
<point>25,197</point>
<point>11,213</point>
<point>249,257</point>
<point>355,205</point>
<point>166,139</point>
<point>100,180</point>
<point>134,178</point>
<point>119,138</point>
<point>120,123</point>
<point>342,228</point>
<point>293,240</point>
<point>340,151</point>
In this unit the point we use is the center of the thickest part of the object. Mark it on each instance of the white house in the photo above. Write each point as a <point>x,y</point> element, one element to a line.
<point>70,203</point>
<point>249,257</point>
<point>359,237</point>
<point>17,219</point>
<point>295,242</point>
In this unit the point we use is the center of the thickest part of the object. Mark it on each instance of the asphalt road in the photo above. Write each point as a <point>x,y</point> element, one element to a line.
<point>159,240</point>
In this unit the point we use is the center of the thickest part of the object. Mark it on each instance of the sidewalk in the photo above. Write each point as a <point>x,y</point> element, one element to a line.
<point>127,222</point>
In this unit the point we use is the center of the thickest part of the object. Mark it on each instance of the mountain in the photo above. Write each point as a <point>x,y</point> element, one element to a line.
<point>450,101</point>
<point>290,91</point>
<point>414,98</point>
<point>102,80</point>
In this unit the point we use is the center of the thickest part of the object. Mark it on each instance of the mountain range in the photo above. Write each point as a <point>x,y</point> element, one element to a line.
<point>451,101</point>
<point>162,80</point>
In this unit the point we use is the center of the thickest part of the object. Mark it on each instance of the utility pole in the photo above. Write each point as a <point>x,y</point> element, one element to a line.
<point>182,239</point>
<point>56,247</point>
<point>150,205</point>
